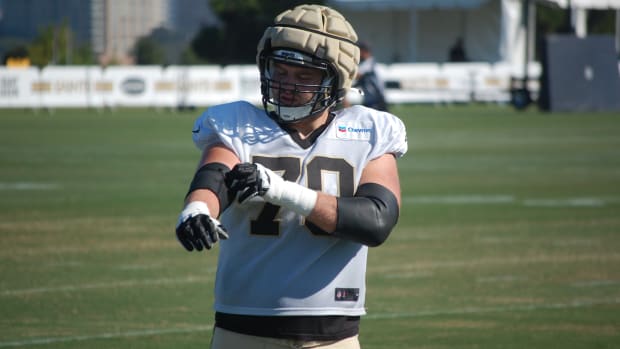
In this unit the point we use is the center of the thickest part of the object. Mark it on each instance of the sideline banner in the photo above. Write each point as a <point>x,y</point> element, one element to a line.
<point>17,87</point>
<point>63,87</point>
<point>206,85</point>
<point>201,86</point>
<point>249,79</point>
<point>166,89</point>
<point>132,86</point>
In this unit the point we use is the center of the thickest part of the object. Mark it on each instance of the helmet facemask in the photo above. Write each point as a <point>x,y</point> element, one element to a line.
<point>295,85</point>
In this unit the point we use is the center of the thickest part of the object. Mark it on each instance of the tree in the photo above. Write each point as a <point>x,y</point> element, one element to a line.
<point>553,20</point>
<point>189,57</point>
<point>242,25</point>
<point>602,21</point>
<point>56,45</point>
<point>147,51</point>
<point>17,52</point>
<point>164,47</point>
<point>43,49</point>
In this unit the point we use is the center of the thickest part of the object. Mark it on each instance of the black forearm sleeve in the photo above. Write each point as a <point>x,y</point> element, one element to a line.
<point>211,176</point>
<point>369,216</point>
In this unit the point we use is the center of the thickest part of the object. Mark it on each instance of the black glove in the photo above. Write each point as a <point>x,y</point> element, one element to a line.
<point>247,180</point>
<point>196,229</point>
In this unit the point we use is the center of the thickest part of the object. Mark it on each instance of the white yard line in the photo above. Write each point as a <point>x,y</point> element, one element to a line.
<point>596,283</point>
<point>103,285</point>
<point>108,335</point>
<point>515,260</point>
<point>500,279</point>
<point>28,186</point>
<point>506,199</point>
<point>474,199</point>
<point>483,310</point>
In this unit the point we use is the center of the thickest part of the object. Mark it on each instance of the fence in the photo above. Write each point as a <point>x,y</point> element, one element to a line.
<point>178,86</point>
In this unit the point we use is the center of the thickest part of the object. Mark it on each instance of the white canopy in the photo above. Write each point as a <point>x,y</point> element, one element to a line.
<point>442,4</point>
<point>586,4</point>
<point>424,30</point>
<point>358,5</point>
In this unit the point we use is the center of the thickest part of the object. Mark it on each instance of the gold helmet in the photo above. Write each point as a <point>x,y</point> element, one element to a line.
<point>311,36</point>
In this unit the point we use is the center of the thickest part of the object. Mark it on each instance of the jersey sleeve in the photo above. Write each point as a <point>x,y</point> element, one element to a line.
<point>222,124</point>
<point>391,135</point>
<point>396,136</point>
<point>203,134</point>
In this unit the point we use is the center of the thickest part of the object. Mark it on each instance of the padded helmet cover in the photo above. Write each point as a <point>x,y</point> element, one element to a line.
<point>318,31</point>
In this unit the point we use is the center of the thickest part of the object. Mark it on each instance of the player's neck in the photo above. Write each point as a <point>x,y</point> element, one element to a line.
<point>305,127</point>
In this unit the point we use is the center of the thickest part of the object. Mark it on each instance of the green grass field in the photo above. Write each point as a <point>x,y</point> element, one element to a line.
<point>509,234</point>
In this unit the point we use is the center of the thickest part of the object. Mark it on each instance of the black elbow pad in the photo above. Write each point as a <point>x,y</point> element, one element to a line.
<point>369,216</point>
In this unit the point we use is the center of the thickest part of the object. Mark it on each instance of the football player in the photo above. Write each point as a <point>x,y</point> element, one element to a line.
<point>296,191</point>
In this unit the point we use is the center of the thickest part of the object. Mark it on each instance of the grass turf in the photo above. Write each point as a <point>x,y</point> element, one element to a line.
<point>508,236</point>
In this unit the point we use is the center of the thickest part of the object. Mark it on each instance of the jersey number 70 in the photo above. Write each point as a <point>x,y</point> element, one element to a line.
<point>290,168</point>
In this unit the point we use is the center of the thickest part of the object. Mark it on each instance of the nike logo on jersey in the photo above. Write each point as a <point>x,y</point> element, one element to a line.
<point>196,130</point>
<point>354,131</point>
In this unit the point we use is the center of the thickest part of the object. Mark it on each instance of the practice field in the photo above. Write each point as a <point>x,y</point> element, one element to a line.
<point>509,234</point>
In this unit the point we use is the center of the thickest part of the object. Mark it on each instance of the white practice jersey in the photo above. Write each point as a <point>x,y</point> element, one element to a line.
<point>276,263</point>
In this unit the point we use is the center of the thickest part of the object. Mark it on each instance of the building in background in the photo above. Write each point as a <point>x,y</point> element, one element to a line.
<point>117,25</point>
<point>24,19</point>
<point>110,27</point>
<point>21,21</point>
<point>189,16</point>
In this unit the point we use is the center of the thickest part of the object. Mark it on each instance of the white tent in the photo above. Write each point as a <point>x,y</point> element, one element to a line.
<point>586,4</point>
<point>424,30</point>
<point>403,5</point>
